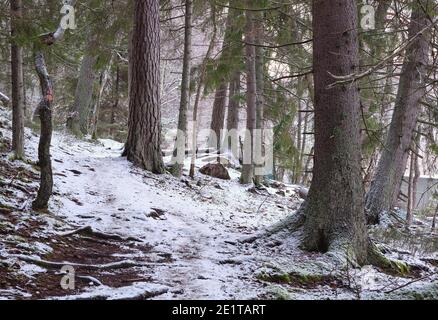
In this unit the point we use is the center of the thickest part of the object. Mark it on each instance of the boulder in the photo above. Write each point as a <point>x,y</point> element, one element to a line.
<point>215,170</point>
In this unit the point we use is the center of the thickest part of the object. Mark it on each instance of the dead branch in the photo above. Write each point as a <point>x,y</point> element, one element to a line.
<point>88,231</point>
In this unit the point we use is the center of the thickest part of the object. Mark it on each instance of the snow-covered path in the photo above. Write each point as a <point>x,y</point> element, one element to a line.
<point>198,229</point>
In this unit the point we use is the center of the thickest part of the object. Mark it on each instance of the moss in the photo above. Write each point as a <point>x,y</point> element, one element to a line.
<point>274,277</point>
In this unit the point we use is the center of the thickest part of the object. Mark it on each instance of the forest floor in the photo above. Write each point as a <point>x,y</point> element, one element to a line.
<point>130,234</point>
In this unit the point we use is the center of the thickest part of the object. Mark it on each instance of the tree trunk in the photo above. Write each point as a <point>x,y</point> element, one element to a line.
<point>218,116</point>
<point>77,122</point>
<point>178,162</point>
<point>17,82</point>
<point>385,187</point>
<point>260,91</point>
<point>334,212</point>
<point>410,205</point>
<point>233,103</point>
<point>143,146</point>
<point>199,92</point>
<point>220,99</point>
<point>251,100</point>
<point>116,101</point>
<point>45,114</point>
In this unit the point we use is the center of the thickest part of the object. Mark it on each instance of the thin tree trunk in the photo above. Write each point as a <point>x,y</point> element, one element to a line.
<point>260,91</point>
<point>17,82</point>
<point>218,115</point>
<point>116,101</point>
<point>77,122</point>
<point>198,93</point>
<point>45,114</point>
<point>385,187</point>
<point>178,165</point>
<point>143,146</point>
<point>251,100</point>
<point>233,103</point>
<point>435,219</point>
<point>96,110</point>
<point>334,211</point>
<point>220,99</point>
<point>410,205</point>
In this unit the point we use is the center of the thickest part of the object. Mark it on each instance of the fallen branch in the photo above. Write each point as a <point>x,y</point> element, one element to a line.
<point>4,98</point>
<point>408,283</point>
<point>88,231</point>
<point>57,265</point>
<point>90,279</point>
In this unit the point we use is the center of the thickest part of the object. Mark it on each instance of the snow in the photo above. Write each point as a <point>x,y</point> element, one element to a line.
<point>200,228</point>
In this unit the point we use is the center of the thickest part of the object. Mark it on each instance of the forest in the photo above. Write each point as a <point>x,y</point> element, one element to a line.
<point>219,150</point>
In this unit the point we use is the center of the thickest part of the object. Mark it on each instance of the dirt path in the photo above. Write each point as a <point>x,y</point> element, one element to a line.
<point>195,230</point>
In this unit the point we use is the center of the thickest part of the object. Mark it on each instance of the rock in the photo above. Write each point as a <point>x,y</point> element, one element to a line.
<point>215,170</point>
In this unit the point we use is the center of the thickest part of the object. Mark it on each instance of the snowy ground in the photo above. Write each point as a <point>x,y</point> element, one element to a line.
<point>179,239</point>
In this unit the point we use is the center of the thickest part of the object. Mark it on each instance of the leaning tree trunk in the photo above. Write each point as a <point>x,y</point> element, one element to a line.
<point>45,114</point>
<point>385,187</point>
<point>143,146</point>
<point>334,211</point>
<point>251,101</point>
<point>17,82</point>
<point>181,142</point>
<point>77,122</point>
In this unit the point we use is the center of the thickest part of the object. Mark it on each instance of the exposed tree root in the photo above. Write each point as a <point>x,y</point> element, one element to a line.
<point>378,259</point>
<point>90,279</point>
<point>57,265</point>
<point>88,231</point>
<point>291,224</point>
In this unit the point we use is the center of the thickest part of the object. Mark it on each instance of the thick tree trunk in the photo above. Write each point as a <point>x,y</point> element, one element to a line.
<point>143,146</point>
<point>334,210</point>
<point>385,187</point>
<point>181,141</point>
<point>17,82</point>
<point>251,101</point>
<point>77,122</point>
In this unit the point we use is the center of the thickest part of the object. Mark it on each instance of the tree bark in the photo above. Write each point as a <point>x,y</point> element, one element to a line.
<point>143,146</point>
<point>199,92</point>
<point>385,186</point>
<point>77,122</point>
<point>178,165</point>
<point>45,114</point>
<point>233,102</point>
<point>334,211</point>
<point>260,90</point>
<point>251,100</point>
<point>116,100</point>
<point>17,82</point>
<point>218,116</point>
